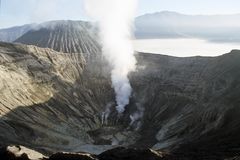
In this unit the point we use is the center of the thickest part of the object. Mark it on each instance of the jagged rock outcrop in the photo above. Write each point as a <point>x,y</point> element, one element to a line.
<point>19,153</point>
<point>72,156</point>
<point>119,153</point>
<point>51,103</point>
<point>23,153</point>
<point>133,153</point>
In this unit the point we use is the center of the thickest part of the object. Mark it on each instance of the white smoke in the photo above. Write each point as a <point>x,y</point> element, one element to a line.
<point>115,18</point>
<point>106,113</point>
<point>136,117</point>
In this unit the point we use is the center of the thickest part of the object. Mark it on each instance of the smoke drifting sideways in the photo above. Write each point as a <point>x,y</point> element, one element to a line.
<point>115,19</point>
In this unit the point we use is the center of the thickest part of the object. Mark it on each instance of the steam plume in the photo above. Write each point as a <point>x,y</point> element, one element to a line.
<point>115,18</point>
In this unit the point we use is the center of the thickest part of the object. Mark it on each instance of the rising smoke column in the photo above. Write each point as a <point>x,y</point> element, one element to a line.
<point>115,18</point>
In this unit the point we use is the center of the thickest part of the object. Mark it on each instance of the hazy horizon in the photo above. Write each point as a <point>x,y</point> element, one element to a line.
<point>15,13</point>
<point>159,31</point>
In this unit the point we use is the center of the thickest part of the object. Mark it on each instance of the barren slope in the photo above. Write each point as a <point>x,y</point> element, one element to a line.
<point>64,36</point>
<point>51,102</point>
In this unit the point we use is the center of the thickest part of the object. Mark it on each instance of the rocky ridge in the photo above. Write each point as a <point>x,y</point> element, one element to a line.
<point>120,153</point>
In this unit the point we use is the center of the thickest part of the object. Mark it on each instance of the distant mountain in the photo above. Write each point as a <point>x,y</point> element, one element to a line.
<point>172,24</point>
<point>165,24</point>
<point>64,36</point>
<point>11,34</point>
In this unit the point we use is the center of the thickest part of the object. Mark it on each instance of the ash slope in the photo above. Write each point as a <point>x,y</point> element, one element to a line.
<point>44,101</point>
<point>191,102</point>
<point>64,36</point>
<point>50,102</point>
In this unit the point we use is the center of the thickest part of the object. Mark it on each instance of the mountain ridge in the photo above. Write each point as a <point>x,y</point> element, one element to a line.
<point>12,33</point>
<point>168,12</point>
<point>175,25</point>
<point>215,27</point>
<point>64,36</point>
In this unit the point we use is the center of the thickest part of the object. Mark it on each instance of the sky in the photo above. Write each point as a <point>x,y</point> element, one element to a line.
<point>19,12</point>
